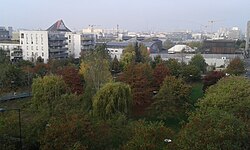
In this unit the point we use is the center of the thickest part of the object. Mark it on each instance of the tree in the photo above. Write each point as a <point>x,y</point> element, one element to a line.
<point>212,78</point>
<point>4,59</point>
<point>172,101</point>
<point>95,69</point>
<point>174,66</point>
<point>46,91</point>
<point>41,69</point>
<point>230,94</point>
<point>70,132</point>
<point>112,98</point>
<point>72,78</point>
<point>199,61</point>
<point>213,129</point>
<point>147,136</point>
<point>139,77</point>
<point>159,74</point>
<point>11,77</point>
<point>115,65</point>
<point>191,73</point>
<point>236,67</point>
<point>157,60</point>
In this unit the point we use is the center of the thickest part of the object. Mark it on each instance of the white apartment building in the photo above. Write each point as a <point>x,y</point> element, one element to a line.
<point>34,44</point>
<point>74,44</point>
<point>13,50</point>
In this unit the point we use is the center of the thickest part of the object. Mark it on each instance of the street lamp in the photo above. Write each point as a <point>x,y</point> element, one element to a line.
<point>19,118</point>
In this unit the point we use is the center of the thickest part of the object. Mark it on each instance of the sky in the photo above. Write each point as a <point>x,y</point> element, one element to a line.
<point>133,15</point>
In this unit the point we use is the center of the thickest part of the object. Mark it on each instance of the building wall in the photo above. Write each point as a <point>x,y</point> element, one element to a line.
<point>13,50</point>
<point>34,44</point>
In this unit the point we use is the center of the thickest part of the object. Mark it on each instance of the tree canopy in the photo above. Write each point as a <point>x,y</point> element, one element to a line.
<point>236,67</point>
<point>112,98</point>
<point>199,61</point>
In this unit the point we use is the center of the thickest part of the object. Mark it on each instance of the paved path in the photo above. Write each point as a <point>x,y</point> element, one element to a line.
<point>13,96</point>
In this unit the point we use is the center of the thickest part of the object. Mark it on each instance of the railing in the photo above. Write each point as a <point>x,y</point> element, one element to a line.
<point>13,96</point>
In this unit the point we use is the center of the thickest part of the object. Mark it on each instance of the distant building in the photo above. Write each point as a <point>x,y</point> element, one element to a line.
<point>180,49</point>
<point>5,34</point>
<point>220,46</point>
<point>50,44</point>
<point>248,39</point>
<point>12,49</point>
<point>116,48</point>
<point>234,33</point>
<point>34,44</point>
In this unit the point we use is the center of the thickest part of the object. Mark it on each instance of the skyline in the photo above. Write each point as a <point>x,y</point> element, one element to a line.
<point>136,15</point>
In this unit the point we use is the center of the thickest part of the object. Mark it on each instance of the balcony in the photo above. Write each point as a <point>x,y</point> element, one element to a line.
<point>58,55</point>
<point>56,50</point>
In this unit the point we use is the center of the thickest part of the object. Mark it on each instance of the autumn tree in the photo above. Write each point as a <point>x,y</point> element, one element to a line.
<point>46,91</point>
<point>172,101</point>
<point>41,69</point>
<point>212,78</point>
<point>72,78</point>
<point>139,77</point>
<point>112,98</point>
<point>70,132</point>
<point>159,74</point>
<point>147,136</point>
<point>199,61</point>
<point>213,129</point>
<point>236,67</point>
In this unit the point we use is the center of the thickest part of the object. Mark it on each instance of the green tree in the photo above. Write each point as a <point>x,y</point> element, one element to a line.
<point>174,66</point>
<point>230,94</point>
<point>95,69</point>
<point>191,73</point>
<point>115,66</point>
<point>236,67</point>
<point>46,91</point>
<point>199,61</point>
<point>213,129</point>
<point>3,57</point>
<point>157,60</point>
<point>148,136</point>
<point>112,98</point>
<point>172,101</point>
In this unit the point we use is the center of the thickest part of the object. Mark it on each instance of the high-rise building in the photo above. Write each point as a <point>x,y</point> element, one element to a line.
<point>248,38</point>
<point>49,44</point>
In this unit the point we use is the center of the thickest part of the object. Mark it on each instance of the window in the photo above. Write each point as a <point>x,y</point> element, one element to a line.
<point>27,47</point>
<point>31,47</point>
<point>32,54</point>
<point>22,35</point>
<point>36,47</point>
<point>21,42</point>
<point>42,48</point>
<point>27,53</point>
<point>42,54</point>
<point>69,41</point>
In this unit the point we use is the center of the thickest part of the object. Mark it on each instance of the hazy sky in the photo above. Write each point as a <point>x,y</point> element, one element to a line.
<point>135,15</point>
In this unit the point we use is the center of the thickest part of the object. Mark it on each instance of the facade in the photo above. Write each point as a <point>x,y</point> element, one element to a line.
<point>234,33</point>
<point>216,60</point>
<point>220,46</point>
<point>34,44</point>
<point>5,34</point>
<point>13,50</point>
<point>50,44</point>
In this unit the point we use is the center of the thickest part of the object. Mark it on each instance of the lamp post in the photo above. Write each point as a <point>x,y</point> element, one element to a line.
<point>19,118</point>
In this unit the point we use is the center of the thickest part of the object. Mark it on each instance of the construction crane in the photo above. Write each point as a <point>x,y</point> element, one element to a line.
<point>211,23</point>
